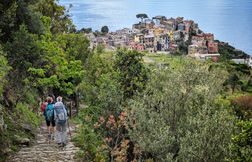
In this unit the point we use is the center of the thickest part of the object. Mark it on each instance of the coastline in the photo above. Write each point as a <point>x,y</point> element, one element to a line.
<point>219,18</point>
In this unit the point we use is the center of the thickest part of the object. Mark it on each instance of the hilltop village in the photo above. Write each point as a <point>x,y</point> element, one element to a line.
<point>161,34</point>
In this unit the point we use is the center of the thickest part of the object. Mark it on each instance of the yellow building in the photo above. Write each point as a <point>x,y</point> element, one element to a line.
<point>171,35</point>
<point>136,39</point>
<point>158,31</point>
<point>139,38</point>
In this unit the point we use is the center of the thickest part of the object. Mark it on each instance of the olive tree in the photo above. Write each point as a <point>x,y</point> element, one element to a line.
<point>178,118</point>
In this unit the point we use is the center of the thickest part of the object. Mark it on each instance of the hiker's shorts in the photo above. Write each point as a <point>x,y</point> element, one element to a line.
<point>50,123</point>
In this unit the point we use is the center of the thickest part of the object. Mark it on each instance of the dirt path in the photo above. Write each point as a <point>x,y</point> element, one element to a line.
<point>44,151</point>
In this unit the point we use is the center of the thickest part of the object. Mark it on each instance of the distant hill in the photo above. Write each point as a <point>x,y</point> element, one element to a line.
<point>229,52</point>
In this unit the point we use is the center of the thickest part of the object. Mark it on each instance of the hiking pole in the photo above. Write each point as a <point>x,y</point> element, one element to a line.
<point>69,130</point>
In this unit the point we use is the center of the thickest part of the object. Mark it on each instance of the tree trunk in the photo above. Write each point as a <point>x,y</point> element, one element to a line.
<point>76,100</point>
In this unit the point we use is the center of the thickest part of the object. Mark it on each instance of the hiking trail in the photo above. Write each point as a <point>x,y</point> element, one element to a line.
<point>44,151</point>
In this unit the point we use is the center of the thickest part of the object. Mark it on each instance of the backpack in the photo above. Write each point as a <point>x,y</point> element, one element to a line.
<point>49,112</point>
<point>60,114</point>
<point>43,106</point>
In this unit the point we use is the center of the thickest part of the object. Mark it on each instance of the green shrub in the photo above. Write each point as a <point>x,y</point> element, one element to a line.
<point>177,116</point>
<point>241,146</point>
<point>13,128</point>
<point>26,115</point>
<point>89,141</point>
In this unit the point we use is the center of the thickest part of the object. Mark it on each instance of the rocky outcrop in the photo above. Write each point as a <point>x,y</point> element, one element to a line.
<point>22,141</point>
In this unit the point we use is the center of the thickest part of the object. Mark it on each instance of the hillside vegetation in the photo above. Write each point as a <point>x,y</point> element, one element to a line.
<point>135,106</point>
<point>229,52</point>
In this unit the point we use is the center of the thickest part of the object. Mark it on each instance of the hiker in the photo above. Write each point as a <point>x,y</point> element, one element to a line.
<point>49,117</point>
<point>44,105</point>
<point>60,115</point>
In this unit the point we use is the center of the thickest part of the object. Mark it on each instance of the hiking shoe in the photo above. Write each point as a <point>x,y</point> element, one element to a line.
<point>63,144</point>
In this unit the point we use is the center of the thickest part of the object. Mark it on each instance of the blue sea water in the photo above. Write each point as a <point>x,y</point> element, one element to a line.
<point>229,20</point>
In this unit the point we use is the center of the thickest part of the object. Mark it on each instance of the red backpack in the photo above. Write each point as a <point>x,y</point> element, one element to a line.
<point>43,106</point>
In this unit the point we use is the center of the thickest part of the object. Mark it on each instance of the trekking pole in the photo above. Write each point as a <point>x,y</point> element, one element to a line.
<point>69,130</point>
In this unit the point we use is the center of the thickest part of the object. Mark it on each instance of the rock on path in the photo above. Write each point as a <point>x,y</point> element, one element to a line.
<point>44,151</point>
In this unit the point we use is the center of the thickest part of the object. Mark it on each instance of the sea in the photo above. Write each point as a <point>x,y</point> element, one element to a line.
<point>229,20</point>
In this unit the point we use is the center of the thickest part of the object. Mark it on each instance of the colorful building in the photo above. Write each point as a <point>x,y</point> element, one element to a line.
<point>181,26</point>
<point>209,37</point>
<point>171,36</point>
<point>213,47</point>
<point>199,40</point>
<point>188,25</point>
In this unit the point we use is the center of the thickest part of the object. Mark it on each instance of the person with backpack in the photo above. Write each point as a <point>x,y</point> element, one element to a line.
<point>60,115</point>
<point>44,105</point>
<point>49,117</point>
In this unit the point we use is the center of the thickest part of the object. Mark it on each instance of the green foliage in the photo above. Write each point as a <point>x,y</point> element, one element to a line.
<point>4,68</point>
<point>7,18</point>
<point>87,139</point>
<point>132,72</point>
<point>85,30</point>
<point>228,52</point>
<point>238,68</point>
<point>41,62</point>
<point>107,101</point>
<point>233,81</point>
<point>22,51</point>
<point>110,96</point>
<point>102,92</point>
<point>14,127</point>
<point>15,13</point>
<point>76,46</point>
<point>176,116</point>
<point>62,68</point>
<point>105,29</point>
<point>248,86</point>
<point>26,15</point>
<point>100,48</point>
<point>142,16</point>
<point>26,115</point>
<point>100,85</point>
<point>241,142</point>
<point>60,18</point>
<point>238,77</point>
<point>95,67</point>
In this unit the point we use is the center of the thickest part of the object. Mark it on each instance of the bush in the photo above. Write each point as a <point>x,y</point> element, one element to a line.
<point>14,128</point>
<point>243,107</point>
<point>177,117</point>
<point>89,141</point>
<point>132,72</point>
<point>242,143</point>
<point>26,115</point>
<point>107,101</point>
